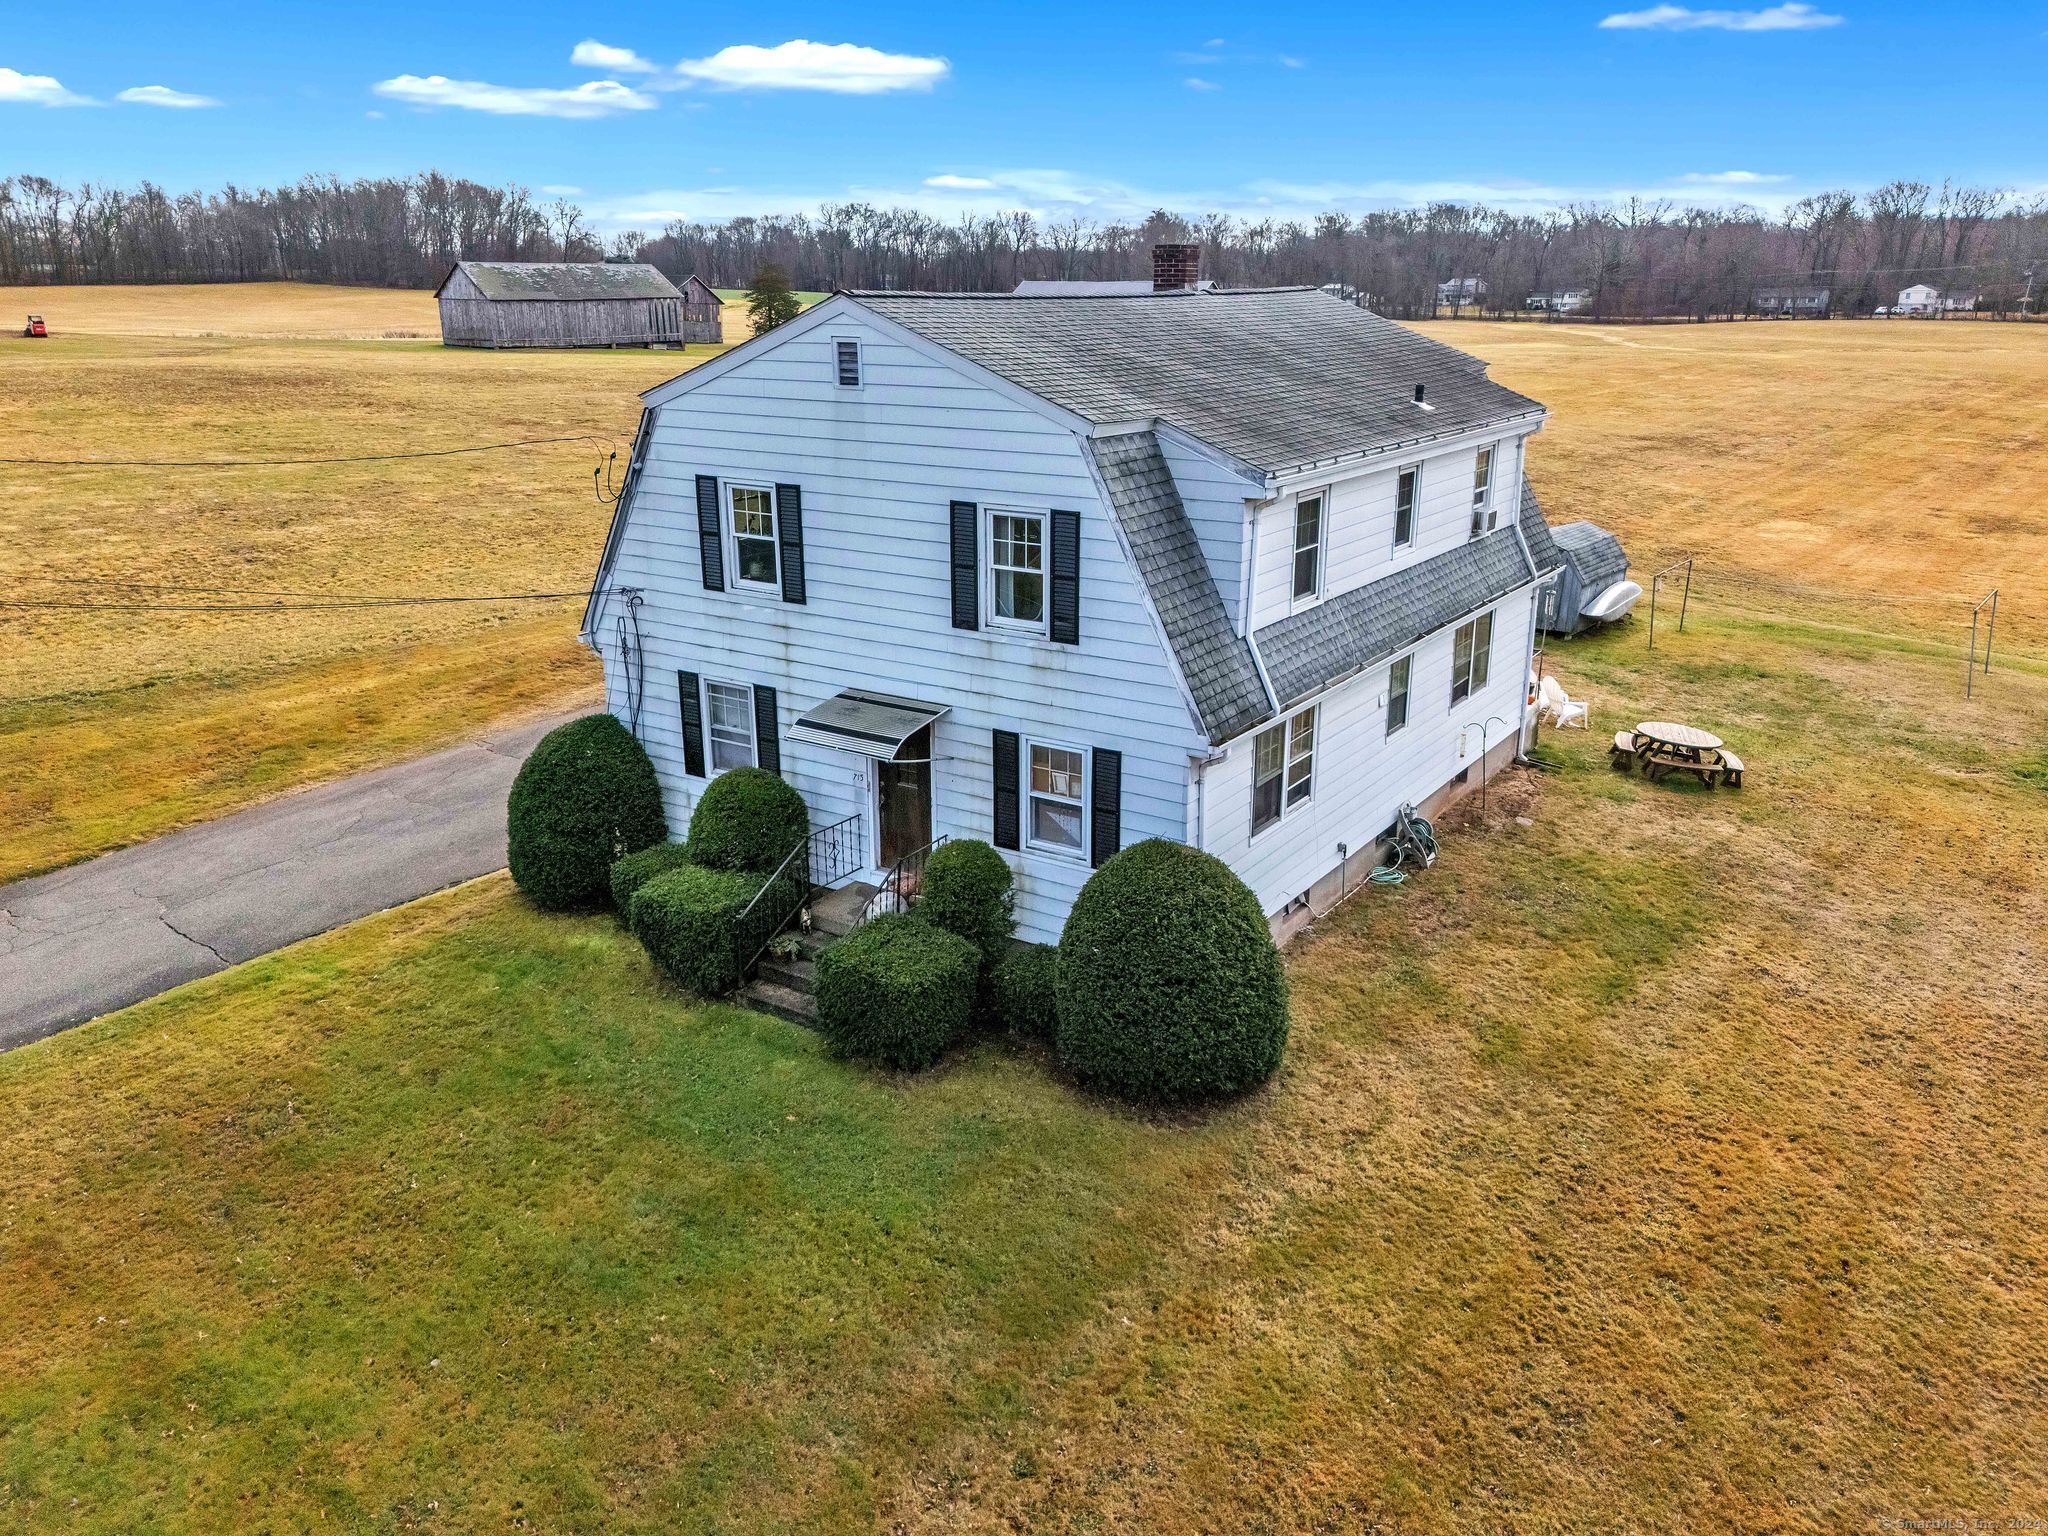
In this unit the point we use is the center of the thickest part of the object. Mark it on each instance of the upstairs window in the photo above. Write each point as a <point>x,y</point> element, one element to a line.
<point>1016,559</point>
<point>1283,768</point>
<point>1398,677</point>
<point>729,723</point>
<point>846,355</point>
<point>1057,782</point>
<point>1471,657</point>
<point>753,537</point>
<point>1482,492</point>
<point>1308,546</point>
<point>1405,490</point>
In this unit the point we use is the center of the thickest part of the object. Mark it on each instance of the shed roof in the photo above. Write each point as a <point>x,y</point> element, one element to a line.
<point>565,281</point>
<point>1279,378</point>
<point>1593,552</point>
<point>1536,532</point>
<point>1214,660</point>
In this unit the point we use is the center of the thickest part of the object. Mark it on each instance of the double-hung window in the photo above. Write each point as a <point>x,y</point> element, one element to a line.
<point>1016,561</point>
<point>1406,488</point>
<point>1471,655</point>
<point>729,725</point>
<point>1308,547</point>
<point>1283,768</point>
<point>1482,492</point>
<point>1057,822</point>
<point>752,509</point>
<point>1399,675</point>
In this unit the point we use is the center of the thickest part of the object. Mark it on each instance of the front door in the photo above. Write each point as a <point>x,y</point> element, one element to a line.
<point>903,800</point>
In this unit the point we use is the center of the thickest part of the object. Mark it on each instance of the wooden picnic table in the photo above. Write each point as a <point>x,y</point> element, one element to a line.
<point>1660,747</point>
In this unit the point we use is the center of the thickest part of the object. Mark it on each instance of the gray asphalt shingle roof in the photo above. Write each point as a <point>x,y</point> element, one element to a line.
<point>1214,659</point>
<point>1279,378</point>
<point>1594,553</point>
<point>1374,623</point>
<point>1536,532</point>
<point>568,281</point>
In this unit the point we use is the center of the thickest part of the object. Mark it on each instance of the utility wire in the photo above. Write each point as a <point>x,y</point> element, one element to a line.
<point>41,606</point>
<point>348,458</point>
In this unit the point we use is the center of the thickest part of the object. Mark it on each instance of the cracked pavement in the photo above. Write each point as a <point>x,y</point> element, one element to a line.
<point>83,941</point>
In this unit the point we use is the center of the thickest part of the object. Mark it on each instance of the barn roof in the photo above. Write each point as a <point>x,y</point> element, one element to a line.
<point>564,281</point>
<point>1280,378</point>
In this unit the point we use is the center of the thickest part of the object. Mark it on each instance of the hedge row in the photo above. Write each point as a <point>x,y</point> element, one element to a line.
<point>898,991</point>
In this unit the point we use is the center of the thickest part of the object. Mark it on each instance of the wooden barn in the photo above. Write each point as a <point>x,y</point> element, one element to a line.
<point>573,304</point>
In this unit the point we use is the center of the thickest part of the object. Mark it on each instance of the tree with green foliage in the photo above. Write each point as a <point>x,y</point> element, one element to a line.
<point>585,797</point>
<point>770,299</point>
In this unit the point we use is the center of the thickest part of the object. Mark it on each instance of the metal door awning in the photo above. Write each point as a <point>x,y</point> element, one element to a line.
<point>872,724</point>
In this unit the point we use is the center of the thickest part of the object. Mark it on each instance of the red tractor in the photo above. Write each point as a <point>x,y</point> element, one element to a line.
<point>35,327</point>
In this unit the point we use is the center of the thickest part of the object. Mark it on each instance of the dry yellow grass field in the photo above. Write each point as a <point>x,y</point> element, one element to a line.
<point>1896,458</point>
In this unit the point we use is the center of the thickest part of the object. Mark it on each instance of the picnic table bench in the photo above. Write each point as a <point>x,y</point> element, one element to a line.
<point>1663,747</point>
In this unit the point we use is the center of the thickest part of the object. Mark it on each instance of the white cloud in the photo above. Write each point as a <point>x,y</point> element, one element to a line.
<point>1289,61</point>
<point>1731,179</point>
<point>591,54</point>
<point>1196,83</point>
<point>594,98</point>
<point>37,91</point>
<point>1795,17</point>
<point>164,96</point>
<point>845,68</point>
<point>561,189</point>
<point>951,183</point>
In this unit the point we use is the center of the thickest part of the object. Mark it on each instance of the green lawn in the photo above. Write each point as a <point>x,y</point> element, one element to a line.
<point>1675,1162</point>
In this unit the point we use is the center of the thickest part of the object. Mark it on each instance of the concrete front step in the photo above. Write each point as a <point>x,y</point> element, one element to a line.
<point>798,975</point>
<point>835,912</point>
<point>783,1002</point>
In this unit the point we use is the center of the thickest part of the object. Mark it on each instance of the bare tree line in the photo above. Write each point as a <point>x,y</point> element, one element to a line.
<point>1638,259</point>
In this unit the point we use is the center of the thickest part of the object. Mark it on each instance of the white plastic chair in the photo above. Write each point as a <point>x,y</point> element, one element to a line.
<point>1551,700</point>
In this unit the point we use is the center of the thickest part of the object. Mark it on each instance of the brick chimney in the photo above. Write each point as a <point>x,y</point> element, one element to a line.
<point>1175,267</point>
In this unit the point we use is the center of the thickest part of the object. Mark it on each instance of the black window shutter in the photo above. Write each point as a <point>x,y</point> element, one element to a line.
<point>1006,823</point>
<point>967,569</point>
<point>1066,578</point>
<point>1105,806</point>
<point>789,528</point>
<point>710,546</point>
<point>693,724</point>
<point>767,743</point>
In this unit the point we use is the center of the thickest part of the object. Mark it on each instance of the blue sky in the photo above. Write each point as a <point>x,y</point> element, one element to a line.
<point>1099,109</point>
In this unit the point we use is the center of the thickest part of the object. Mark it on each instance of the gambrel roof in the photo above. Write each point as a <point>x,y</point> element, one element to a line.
<point>1280,378</point>
<point>564,281</point>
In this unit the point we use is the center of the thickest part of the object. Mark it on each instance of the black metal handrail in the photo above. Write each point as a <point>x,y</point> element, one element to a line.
<point>900,887</point>
<point>828,854</point>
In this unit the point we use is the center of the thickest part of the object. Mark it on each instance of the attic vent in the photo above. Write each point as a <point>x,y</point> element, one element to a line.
<point>1419,391</point>
<point>849,363</point>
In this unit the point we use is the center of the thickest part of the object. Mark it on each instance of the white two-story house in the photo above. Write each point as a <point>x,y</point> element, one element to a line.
<point>1244,569</point>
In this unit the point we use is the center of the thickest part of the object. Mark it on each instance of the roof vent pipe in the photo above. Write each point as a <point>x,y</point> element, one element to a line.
<point>1419,392</point>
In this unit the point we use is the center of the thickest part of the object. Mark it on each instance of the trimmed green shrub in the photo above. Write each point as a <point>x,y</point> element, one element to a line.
<point>1170,987</point>
<point>636,869</point>
<point>585,797</point>
<point>689,920</point>
<point>1026,988</point>
<point>747,819</point>
<point>966,890</point>
<point>897,991</point>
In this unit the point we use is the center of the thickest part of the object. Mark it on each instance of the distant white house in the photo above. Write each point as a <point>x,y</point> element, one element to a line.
<point>1460,291</point>
<point>1560,301</point>
<point>1920,299</point>
<point>1248,570</point>
<point>1807,299</point>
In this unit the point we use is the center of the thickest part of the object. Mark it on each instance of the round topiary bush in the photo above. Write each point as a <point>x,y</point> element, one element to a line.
<point>585,797</point>
<point>966,890</point>
<point>1170,987</point>
<point>1026,987</point>
<point>689,919</point>
<point>897,991</point>
<point>747,818</point>
<point>636,869</point>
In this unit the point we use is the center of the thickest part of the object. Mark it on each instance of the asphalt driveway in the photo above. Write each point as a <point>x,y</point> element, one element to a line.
<point>100,935</point>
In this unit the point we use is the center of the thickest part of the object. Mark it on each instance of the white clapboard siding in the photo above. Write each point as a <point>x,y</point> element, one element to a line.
<point>1358,514</point>
<point>878,467</point>
<point>1214,496</point>
<point>1362,775</point>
